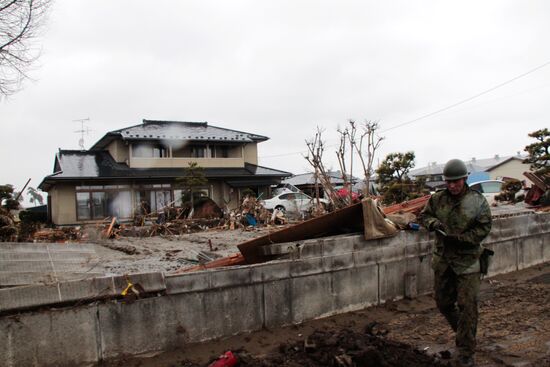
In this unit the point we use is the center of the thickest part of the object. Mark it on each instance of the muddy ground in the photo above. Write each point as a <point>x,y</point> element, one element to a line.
<point>514,330</point>
<point>169,253</point>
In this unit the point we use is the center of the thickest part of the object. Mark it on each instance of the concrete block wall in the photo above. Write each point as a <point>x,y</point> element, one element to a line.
<point>324,277</point>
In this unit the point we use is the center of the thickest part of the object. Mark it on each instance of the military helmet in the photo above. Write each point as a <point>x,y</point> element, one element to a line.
<point>454,169</point>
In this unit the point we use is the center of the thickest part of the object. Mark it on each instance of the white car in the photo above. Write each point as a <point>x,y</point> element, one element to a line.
<point>292,201</point>
<point>489,188</point>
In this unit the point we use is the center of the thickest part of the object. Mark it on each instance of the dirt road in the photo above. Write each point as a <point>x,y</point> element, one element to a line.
<point>514,330</point>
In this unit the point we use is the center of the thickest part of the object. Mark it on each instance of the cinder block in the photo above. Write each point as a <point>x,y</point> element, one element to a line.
<point>337,246</point>
<point>311,297</point>
<point>233,310</point>
<point>311,249</point>
<point>87,289</point>
<point>273,270</point>
<point>187,282</point>
<point>55,338</point>
<point>277,303</point>
<point>545,246</point>
<point>28,296</point>
<point>355,289</point>
<point>367,257</point>
<point>543,220</point>
<point>505,258</point>
<point>411,290</point>
<point>392,280</point>
<point>530,251</point>
<point>306,267</point>
<point>338,262</point>
<point>144,326</point>
<point>230,277</point>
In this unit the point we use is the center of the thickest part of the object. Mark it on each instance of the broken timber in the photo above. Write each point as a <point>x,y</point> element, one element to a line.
<point>346,220</point>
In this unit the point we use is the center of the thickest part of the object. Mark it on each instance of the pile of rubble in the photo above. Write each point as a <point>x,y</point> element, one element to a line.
<point>345,348</point>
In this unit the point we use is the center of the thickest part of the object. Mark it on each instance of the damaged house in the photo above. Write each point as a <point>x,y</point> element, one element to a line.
<point>140,166</point>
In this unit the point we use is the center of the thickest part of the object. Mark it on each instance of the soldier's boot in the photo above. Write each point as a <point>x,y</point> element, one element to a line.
<point>465,361</point>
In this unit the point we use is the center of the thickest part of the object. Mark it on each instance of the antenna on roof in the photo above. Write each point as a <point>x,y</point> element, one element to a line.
<point>83,130</point>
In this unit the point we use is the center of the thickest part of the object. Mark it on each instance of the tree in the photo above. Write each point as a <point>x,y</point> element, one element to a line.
<point>7,197</point>
<point>20,24</point>
<point>539,152</point>
<point>370,129</point>
<point>193,178</point>
<point>393,178</point>
<point>35,196</point>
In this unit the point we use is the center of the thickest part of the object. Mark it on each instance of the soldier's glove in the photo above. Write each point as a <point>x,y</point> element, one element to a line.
<point>437,226</point>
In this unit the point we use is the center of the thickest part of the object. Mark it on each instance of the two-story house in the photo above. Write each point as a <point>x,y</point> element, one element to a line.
<point>140,166</point>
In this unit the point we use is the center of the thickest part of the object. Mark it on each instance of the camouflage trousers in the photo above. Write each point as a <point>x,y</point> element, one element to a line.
<point>456,297</point>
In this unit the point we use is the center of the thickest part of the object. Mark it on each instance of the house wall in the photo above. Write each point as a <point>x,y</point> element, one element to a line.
<point>184,162</point>
<point>250,153</point>
<point>119,151</point>
<point>63,204</point>
<point>513,168</point>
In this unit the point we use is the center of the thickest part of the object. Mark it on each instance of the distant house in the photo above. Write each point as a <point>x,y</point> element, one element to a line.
<point>306,182</point>
<point>139,165</point>
<point>496,168</point>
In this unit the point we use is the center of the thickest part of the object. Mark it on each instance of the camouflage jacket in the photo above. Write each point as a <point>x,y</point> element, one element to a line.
<point>466,219</point>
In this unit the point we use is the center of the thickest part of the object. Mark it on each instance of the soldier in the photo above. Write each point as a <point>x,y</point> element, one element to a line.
<point>461,218</point>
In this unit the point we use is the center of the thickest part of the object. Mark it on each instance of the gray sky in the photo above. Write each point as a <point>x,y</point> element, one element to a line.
<point>282,68</point>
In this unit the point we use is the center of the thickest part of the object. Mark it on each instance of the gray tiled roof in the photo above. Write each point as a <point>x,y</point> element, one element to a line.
<point>474,165</point>
<point>94,165</point>
<point>179,130</point>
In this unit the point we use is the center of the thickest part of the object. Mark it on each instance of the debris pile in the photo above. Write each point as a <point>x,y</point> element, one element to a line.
<point>60,234</point>
<point>345,348</point>
<point>539,194</point>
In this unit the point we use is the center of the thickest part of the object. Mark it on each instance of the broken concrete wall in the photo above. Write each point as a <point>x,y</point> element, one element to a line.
<point>321,277</point>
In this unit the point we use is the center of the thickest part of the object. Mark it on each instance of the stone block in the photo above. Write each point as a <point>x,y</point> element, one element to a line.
<point>355,289</point>
<point>277,303</point>
<point>311,249</point>
<point>392,280</point>
<point>311,297</point>
<point>188,282</point>
<point>306,267</point>
<point>273,270</point>
<point>411,290</point>
<point>54,338</point>
<point>229,311</point>
<point>367,257</point>
<point>144,326</point>
<point>505,258</point>
<point>338,245</point>
<point>230,277</point>
<point>530,251</point>
<point>28,297</point>
<point>87,289</point>
<point>338,262</point>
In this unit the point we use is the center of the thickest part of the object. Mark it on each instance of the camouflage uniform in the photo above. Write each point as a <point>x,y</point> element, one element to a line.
<point>466,219</point>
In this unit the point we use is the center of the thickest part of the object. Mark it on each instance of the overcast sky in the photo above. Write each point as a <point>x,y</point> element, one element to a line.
<point>282,68</point>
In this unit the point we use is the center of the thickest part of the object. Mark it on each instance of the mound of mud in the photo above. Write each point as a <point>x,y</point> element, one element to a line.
<point>343,349</point>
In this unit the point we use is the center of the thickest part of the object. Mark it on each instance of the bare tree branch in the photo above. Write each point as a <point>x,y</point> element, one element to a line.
<point>20,23</point>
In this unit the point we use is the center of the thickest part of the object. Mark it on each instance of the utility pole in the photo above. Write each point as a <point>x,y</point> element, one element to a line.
<point>83,130</point>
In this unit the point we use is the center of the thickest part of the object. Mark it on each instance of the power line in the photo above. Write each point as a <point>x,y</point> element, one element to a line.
<point>469,98</point>
<point>437,111</point>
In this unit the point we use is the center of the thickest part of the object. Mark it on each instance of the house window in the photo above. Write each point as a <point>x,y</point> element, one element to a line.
<point>143,150</point>
<point>151,201</point>
<point>221,151</point>
<point>199,151</point>
<point>101,204</point>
